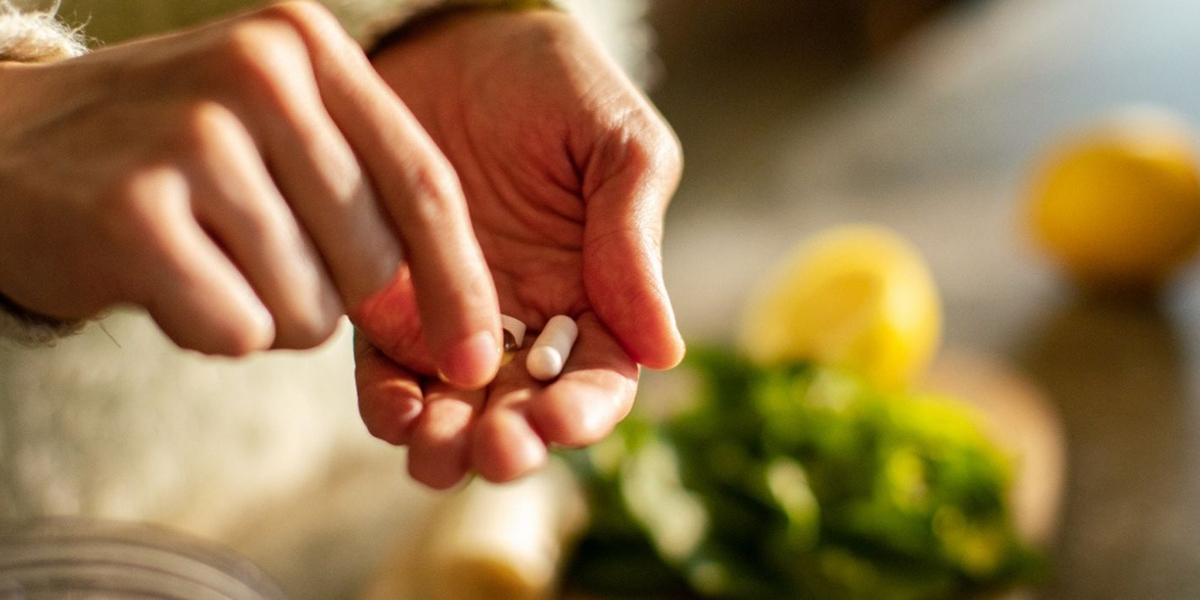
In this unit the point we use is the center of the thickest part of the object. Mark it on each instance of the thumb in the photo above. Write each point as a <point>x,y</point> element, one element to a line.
<point>622,256</point>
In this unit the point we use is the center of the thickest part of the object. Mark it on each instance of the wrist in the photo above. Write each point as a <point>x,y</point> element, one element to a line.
<point>30,37</point>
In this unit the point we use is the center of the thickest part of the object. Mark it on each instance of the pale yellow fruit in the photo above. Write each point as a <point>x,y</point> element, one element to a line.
<point>1118,205</point>
<point>858,297</point>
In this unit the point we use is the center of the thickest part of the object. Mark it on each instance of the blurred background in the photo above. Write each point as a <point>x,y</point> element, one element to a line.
<point>928,116</point>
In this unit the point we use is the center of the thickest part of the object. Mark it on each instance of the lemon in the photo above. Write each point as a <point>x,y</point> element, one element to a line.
<point>858,297</point>
<point>1118,204</point>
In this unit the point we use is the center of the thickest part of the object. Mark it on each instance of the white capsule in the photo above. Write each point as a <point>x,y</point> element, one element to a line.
<point>514,328</point>
<point>551,348</point>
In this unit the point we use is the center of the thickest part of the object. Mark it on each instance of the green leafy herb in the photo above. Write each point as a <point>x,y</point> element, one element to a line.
<point>798,481</point>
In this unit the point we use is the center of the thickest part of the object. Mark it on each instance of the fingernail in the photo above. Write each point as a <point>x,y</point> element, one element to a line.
<point>472,362</point>
<point>408,410</point>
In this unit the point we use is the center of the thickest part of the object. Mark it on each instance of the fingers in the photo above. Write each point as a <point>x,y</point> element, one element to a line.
<point>630,182</point>
<point>503,432</point>
<point>434,423</point>
<point>319,173</point>
<point>420,192</point>
<point>439,448</point>
<point>454,290</point>
<point>390,319</point>
<point>359,175</point>
<point>505,444</point>
<point>237,202</point>
<point>389,397</point>
<point>275,87</point>
<point>186,279</point>
<point>595,391</point>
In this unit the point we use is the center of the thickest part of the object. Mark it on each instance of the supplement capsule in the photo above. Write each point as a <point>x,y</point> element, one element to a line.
<point>514,337</point>
<point>514,333</point>
<point>551,348</point>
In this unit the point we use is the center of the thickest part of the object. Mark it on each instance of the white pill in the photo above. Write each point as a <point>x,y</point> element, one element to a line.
<point>551,348</point>
<point>514,328</point>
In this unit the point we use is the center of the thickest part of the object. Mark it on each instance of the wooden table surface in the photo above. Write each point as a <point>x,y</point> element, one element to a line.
<point>937,142</point>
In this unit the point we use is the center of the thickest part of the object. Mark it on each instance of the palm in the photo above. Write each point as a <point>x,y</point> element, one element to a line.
<point>531,229</point>
<point>533,147</point>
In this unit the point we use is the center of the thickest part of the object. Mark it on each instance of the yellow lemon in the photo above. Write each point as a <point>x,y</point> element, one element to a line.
<point>859,297</point>
<point>1118,205</point>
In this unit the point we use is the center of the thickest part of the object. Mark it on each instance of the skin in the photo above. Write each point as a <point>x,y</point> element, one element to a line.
<point>251,181</point>
<point>245,182</point>
<point>567,170</point>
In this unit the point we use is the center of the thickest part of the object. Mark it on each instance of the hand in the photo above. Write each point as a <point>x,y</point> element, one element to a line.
<point>567,171</point>
<point>245,182</point>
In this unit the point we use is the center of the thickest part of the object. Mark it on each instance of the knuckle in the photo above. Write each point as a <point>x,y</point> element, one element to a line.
<point>246,45</point>
<point>433,192</point>
<point>671,150</point>
<point>257,55</point>
<point>132,220</point>
<point>431,212</point>
<point>132,206</point>
<point>303,15</point>
<point>348,191</point>
<point>656,147</point>
<point>205,124</point>
<point>198,131</point>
